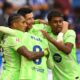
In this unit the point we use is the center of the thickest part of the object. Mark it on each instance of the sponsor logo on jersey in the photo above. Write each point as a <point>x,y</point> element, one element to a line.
<point>38,69</point>
<point>35,38</point>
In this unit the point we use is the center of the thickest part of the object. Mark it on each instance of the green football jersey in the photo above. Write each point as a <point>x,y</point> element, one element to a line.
<point>65,66</point>
<point>34,69</point>
<point>11,69</point>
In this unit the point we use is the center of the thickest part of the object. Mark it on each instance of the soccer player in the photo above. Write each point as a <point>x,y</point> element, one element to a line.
<point>27,13</point>
<point>65,66</point>
<point>38,67</point>
<point>34,69</point>
<point>12,46</point>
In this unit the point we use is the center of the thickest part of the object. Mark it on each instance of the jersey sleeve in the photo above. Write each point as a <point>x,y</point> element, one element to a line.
<point>70,37</point>
<point>7,30</point>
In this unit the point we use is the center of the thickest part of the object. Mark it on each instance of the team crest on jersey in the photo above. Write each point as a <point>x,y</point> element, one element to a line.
<point>57,58</point>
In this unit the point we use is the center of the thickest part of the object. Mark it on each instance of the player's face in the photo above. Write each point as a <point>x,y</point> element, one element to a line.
<point>29,19</point>
<point>56,24</point>
<point>21,25</point>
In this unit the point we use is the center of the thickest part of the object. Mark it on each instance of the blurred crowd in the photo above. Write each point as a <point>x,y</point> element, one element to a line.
<point>70,9</point>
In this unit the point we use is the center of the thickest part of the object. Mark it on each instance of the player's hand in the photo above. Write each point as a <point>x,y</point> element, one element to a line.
<point>42,21</point>
<point>46,52</point>
<point>45,34</point>
<point>65,26</point>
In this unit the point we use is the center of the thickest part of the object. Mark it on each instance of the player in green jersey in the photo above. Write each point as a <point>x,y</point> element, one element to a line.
<point>37,43</point>
<point>27,13</point>
<point>11,44</point>
<point>65,66</point>
<point>12,67</point>
<point>34,69</point>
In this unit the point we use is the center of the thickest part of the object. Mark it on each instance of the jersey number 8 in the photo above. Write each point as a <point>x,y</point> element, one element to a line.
<point>37,61</point>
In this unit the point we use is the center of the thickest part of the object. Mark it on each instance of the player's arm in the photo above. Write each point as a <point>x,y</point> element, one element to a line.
<point>28,54</point>
<point>22,50</point>
<point>7,30</point>
<point>40,21</point>
<point>66,48</point>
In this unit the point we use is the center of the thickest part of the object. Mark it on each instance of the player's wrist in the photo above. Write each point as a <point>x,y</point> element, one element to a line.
<point>61,33</point>
<point>45,52</point>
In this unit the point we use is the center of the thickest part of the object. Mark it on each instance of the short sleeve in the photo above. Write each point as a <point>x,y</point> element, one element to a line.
<point>70,37</point>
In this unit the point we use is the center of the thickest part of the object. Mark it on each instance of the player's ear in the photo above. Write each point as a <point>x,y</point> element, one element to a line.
<point>14,25</point>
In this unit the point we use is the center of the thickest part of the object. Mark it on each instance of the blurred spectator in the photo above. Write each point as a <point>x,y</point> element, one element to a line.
<point>77,25</point>
<point>76,22</point>
<point>40,8</point>
<point>18,3</point>
<point>50,4</point>
<point>1,4</point>
<point>75,3</point>
<point>76,10</point>
<point>7,10</point>
<point>64,6</point>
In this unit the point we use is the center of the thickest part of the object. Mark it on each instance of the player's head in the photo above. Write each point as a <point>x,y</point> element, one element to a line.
<point>17,21</point>
<point>28,15</point>
<point>55,20</point>
<point>7,8</point>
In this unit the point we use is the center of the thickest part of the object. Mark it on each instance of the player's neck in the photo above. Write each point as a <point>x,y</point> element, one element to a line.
<point>55,33</point>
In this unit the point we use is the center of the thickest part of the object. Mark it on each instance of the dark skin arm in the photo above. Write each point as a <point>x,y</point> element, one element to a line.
<point>66,48</point>
<point>28,54</point>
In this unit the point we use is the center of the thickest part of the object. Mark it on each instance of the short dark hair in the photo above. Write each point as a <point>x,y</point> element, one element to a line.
<point>24,11</point>
<point>54,13</point>
<point>6,5</point>
<point>13,18</point>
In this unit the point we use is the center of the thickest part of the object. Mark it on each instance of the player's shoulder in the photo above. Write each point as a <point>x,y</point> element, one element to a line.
<point>38,26</point>
<point>27,34</point>
<point>70,32</point>
<point>18,33</point>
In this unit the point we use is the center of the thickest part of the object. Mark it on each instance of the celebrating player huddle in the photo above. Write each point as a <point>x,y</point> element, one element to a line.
<point>28,55</point>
